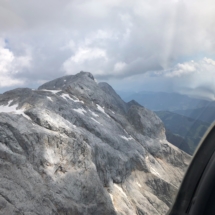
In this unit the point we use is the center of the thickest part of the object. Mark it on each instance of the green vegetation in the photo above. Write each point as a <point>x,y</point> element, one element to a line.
<point>182,131</point>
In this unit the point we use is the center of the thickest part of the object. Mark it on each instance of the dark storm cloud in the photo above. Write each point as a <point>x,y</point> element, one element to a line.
<point>113,39</point>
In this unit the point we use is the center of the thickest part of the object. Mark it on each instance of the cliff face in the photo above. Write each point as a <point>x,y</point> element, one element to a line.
<point>74,147</point>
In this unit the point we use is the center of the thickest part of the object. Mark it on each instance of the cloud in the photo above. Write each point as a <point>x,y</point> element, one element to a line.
<point>85,59</point>
<point>179,70</point>
<point>119,66</point>
<point>194,78</point>
<point>182,69</point>
<point>113,39</point>
<point>88,54</point>
<point>11,66</point>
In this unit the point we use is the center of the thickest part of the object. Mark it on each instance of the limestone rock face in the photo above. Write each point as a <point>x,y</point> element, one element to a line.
<point>74,147</point>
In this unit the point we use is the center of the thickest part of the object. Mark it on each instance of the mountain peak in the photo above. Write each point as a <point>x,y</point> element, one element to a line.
<point>88,74</point>
<point>65,81</point>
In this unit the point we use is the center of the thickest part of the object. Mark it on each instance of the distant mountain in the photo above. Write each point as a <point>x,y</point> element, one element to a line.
<point>182,131</point>
<point>185,118</point>
<point>133,102</point>
<point>165,101</point>
<point>124,95</point>
<point>206,114</point>
<point>178,141</point>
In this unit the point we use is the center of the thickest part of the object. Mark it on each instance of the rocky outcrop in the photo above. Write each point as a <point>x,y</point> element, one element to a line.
<point>74,147</point>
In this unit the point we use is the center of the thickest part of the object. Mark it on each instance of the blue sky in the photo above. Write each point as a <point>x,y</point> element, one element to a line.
<point>156,45</point>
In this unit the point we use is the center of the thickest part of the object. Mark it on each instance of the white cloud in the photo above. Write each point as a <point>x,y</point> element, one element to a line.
<point>113,39</point>
<point>100,36</point>
<point>204,68</point>
<point>85,59</point>
<point>6,58</point>
<point>192,77</point>
<point>209,61</point>
<point>119,66</point>
<point>11,65</point>
<point>181,69</point>
<point>87,54</point>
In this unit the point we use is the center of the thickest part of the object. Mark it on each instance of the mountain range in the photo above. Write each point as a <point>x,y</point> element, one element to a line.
<point>205,114</point>
<point>74,147</point>
<point>159,101</point>
<point>184,132</point>
<point>186,119</point>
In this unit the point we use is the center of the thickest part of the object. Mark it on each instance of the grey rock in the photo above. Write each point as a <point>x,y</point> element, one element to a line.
<point>74,147</point>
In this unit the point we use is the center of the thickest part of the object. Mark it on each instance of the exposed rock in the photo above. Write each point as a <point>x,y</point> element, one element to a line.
<point>74,147</point>
<point>133,102</point>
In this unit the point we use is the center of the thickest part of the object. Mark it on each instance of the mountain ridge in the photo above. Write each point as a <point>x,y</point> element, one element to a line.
<point>158,101</point>
<point>190,130</point>
<point>77,148</point>
<point>205,114</point>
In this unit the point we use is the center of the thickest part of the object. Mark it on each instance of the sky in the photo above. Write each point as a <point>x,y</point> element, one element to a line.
<point>153,45</point>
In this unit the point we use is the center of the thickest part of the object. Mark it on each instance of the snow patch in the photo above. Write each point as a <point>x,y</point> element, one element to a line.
<point>80,110</point>
<point>13,109</point>
<point>126,138</point>
<point>49,98</point>
<point>66,96</point>
<point>94,114</point>
<point>77,100</point>
<point>95,120</point>
<point>102,110</point>
<point>52,91</point>
<point>9,102</point>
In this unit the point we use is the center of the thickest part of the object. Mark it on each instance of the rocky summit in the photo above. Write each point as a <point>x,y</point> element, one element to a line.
<point>74,147</point>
